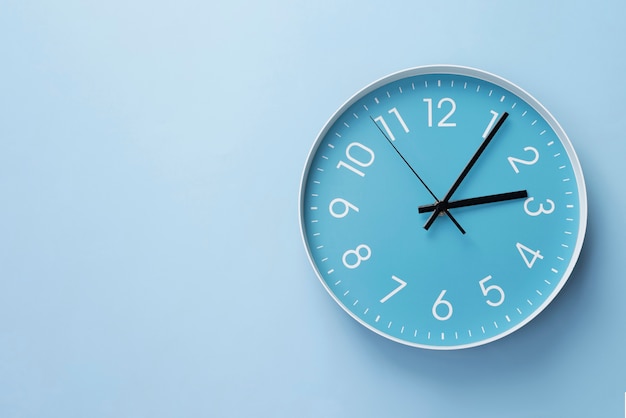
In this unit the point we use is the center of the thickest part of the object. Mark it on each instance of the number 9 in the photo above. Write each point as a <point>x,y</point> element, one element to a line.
<point>346,207</point>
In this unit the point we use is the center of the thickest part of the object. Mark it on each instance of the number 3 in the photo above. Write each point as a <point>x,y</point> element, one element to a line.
<point>542,208</point>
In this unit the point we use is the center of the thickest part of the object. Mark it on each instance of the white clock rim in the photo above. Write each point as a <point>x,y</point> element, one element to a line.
<point>451,69</point>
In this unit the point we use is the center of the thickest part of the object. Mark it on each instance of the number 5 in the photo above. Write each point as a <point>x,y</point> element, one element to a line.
<point>488,289</point>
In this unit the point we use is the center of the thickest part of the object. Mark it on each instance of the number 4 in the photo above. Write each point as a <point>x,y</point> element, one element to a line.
<point>524,250</point>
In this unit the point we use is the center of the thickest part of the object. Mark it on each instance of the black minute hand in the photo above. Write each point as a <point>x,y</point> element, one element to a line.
<point>443,205</point>
<point>500,197</point>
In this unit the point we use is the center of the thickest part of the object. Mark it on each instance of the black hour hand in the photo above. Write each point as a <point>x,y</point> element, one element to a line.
<point>500,197</point>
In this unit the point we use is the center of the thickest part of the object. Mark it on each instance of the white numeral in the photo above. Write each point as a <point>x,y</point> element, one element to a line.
<point>346,207</point>
<point>401,282</point>
<point>488,289</point>
<point>442,302</point>
<point>443,122</point>
<point>356,160</point>
<point>542,209</point>
<point>359,254</point>
<point>491,123</point>
<point>386,127</point>
<point>524,249</point>
<point>514,160</point>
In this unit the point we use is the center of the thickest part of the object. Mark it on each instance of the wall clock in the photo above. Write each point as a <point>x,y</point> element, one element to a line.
<point>443,207</point>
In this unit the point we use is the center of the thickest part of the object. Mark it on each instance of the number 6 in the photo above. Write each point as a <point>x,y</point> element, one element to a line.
<point>441,301</point>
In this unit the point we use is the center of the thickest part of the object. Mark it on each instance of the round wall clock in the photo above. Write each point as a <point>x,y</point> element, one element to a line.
<point>443,207</point>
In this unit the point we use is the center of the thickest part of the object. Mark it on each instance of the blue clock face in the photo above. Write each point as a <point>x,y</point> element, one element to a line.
<point>443,207</point>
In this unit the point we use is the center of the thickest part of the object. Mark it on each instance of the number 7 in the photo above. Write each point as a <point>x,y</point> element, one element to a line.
<point>396,290</point>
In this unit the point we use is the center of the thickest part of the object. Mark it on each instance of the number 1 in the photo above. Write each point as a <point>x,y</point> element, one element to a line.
<point>491,123</point>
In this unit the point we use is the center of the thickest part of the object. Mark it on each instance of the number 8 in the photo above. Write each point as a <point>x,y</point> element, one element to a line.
<point>356,252</point>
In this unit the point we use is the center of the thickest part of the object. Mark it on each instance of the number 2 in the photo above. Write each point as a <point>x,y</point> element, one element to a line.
<point>514,160</point>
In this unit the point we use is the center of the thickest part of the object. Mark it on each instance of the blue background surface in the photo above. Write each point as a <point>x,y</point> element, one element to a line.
<point>151,263</point>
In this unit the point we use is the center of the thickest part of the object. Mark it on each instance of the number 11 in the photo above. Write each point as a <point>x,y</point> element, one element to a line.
<point>386,127</point>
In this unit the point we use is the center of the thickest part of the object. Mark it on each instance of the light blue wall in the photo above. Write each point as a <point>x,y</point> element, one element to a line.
<point>151,263</point>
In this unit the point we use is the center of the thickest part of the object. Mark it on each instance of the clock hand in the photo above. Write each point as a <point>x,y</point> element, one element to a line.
<point>443,205</point>
<point>418,177</point>
<point>520,194</point>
